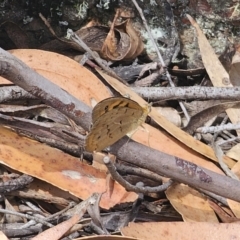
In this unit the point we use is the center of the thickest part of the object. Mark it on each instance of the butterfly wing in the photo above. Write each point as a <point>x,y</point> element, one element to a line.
<point>112,103</point>
<point>112,126</point>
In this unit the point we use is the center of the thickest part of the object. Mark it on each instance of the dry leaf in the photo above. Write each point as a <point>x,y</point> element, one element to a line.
<point>214,68</point>
<point>93,36</point>
<point>234,152</point>
<point>235,207</point>
<point>74,79</point>
<point>219,78</point>
<point>11,218</point>
<point>136,44</point>
<point>192,205</point>
<point>117,43</point>
<point>65,72</point>
<point>122,42</point>
<point>59,230</point>
<point>106,237</point>
<point>58,168</point>
<point>202,117</point>
<point>3,236</point>
<point>80,86</point>
<point>234,72</point>
<point>40,190</point>
<point>183,231</point>
<point>223,215</point>
<point>158,139</point>
<point>171,114</point>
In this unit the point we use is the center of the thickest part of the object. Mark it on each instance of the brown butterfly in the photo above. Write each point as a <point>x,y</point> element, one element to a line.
<point>112,119</point>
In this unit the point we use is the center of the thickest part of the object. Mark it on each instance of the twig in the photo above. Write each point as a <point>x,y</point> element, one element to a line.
<point>37,213</point>
<point>214,196</point>
<point>159,56</point>
<point>227,137</point>
<point>70,205</point>
<point>222,123</point>
<point>74,37</point>
<point>15,184</point>
<point>134,153</point>
<point>117,177</point>
<point>139,172</point>
<point>235,139</point>
<point>147,81</point>
<point>188,93</point>
<point>26,216</point>
<point>214,129</point>
<point>219,153</point>
<point>8,93</point>
<point>47,24</point>
<point>176,168</point>
<point>137,203</point>
<point>52,140</point>
<point>19,73</point>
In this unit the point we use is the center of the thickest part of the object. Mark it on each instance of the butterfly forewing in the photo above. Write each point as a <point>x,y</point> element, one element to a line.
<point>109,104</point>
<point>111,127</point>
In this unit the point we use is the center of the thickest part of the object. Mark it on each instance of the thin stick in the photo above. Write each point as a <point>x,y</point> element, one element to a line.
<point>129,187</point>
<point>74,37</point>
<point>42,221</point>
<point>219,153</point>
<point>160,56</point>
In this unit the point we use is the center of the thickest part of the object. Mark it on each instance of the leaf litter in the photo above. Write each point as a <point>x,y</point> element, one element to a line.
<point>65,171</point>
